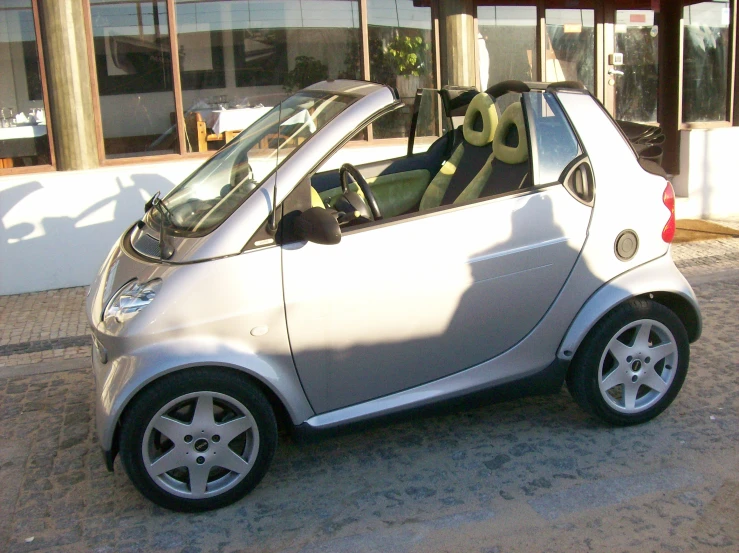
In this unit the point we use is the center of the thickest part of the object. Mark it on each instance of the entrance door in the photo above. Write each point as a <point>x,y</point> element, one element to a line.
<point>631,64</point>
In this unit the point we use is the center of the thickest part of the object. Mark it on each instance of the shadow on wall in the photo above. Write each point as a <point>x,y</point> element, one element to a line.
<point>65,248</point>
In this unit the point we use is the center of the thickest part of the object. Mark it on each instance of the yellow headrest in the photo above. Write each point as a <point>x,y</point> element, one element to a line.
<point>315,198</point>
<point>483,105</point>
<point>513,115</point>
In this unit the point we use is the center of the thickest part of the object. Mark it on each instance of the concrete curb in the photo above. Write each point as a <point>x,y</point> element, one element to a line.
<point>46,367</point>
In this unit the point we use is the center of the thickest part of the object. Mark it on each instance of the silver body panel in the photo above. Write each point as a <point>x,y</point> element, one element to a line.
<point>204,316</point>
<point>508,367</point>
<point>428,296</point>
<point>397,315</point>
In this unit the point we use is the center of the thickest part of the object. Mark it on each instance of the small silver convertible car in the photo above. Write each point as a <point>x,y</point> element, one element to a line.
<point>497,243</point>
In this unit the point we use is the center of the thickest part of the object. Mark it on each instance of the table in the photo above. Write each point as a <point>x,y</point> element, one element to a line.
<point>222,120</point>
<point>22,131</point>
<point>22,141</point>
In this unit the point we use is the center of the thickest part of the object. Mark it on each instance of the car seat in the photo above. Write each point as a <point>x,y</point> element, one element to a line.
<point>508,167</point>
<point>472,155</point>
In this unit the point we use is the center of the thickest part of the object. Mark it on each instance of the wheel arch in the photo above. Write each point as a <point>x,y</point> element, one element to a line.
<point>658,280</point>
<point>684,309</point>
<point>282,414</point>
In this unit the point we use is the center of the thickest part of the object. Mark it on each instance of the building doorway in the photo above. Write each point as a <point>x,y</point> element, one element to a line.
<point>610,46</point>
<point>631,61</point>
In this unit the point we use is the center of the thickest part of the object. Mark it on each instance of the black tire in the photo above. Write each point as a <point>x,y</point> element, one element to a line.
<point>585,378</point>
<point>226,390</point>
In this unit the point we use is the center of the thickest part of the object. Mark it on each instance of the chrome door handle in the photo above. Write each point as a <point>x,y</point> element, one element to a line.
<point>612,71</point>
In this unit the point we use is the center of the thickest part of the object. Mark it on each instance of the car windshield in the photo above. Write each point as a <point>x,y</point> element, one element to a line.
<point>208,196</point>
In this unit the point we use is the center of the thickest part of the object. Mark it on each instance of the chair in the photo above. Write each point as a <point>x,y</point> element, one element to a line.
<point>198,135</point>
<point>508,168</point>
<point>469,158</point>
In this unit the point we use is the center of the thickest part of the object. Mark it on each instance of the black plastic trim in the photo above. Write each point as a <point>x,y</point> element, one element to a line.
<point>504,87</point>
<point>109,458</point>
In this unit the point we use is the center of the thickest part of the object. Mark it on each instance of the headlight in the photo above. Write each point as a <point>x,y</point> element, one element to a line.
<point>131,299</point>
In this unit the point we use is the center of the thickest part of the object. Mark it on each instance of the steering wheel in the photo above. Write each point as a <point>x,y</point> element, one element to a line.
<point>369,197</point>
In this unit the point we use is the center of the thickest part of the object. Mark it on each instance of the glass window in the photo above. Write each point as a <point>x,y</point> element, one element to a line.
<point>570,46</point>
<point>555,143</point>
<point>705,61</point>
<point>506,44</point>
<point>400,51</point>
<point>206,198</point>
<point>638,88</point>
<point>238,58</point>
<point>134,72</point>
<point>23,132</point>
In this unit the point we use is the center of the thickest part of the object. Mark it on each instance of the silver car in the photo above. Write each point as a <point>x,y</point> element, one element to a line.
<point>512,242</point>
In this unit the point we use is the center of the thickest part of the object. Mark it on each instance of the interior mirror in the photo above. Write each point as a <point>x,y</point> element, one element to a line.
<point>318,225</point>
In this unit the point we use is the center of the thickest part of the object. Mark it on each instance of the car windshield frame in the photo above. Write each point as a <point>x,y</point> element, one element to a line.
<point>293,112</point>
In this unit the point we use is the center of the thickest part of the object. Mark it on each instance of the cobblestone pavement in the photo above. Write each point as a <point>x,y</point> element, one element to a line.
<point>43,326</point>
<point>529,475</point>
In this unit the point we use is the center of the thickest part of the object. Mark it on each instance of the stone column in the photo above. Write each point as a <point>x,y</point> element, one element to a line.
<point>457,42</point>
<point>68,78</point>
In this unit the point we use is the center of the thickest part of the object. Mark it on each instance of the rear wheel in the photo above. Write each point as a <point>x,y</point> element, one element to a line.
<point>198,439</point>
<point>632,365</point>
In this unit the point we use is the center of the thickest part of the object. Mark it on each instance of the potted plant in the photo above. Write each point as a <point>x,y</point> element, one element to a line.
<point>407,55</point>
<point>307,70</point>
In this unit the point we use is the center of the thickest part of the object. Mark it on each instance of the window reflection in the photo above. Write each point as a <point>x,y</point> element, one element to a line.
<point>638,88</point>
<point>400,55</point>
<point>238,58</point>
<point>570,46</point>
<point>506,44</point>
<point>134,72</point>
<point>705,61</point>
<point>23,132</point>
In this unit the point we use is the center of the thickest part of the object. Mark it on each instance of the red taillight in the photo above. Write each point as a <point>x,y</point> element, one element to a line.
<point>668,198</point>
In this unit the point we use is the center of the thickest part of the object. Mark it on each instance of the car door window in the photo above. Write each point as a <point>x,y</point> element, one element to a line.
<point>553,142</point>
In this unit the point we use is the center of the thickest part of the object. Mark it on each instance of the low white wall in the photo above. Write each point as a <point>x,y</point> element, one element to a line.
<point>708,183</point>
<point>56,228</point>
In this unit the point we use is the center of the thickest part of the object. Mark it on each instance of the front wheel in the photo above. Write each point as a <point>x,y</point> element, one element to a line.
<point>198,439</point>
<point>632,365</point>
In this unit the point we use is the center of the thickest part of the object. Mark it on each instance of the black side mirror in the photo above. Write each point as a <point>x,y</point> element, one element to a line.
<point>318,225</point>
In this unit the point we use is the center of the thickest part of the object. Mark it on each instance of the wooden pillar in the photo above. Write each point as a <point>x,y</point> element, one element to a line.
<point>669,111</point>
<point>458,42</point>
<point>68,77</point>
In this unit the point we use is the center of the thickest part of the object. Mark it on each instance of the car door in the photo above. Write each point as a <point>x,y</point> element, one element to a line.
<point>399,303</point>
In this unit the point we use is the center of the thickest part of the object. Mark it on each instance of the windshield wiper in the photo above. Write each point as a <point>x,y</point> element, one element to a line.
<point>165,249</point>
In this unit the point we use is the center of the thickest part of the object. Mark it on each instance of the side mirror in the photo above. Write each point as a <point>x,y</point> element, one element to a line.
<point>318,225</point>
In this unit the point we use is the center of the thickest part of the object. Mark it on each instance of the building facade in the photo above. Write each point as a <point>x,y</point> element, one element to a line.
<point>105,102</point>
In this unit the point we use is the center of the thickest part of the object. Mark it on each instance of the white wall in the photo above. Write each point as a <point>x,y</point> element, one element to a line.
<point>709,173</point>
<point>56,228</point>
